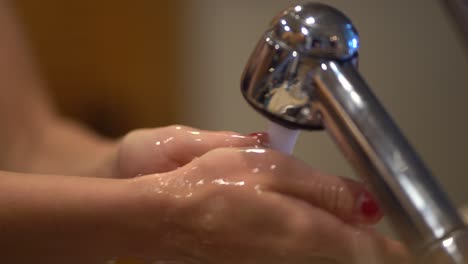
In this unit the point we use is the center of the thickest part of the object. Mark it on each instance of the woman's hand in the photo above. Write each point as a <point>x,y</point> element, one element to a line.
<point>66,148</point>
<point>157,150</point>
<point>230,205</point>
<point>254,205</point>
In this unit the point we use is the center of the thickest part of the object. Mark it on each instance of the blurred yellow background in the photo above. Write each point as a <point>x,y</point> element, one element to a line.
<point>108,63</point>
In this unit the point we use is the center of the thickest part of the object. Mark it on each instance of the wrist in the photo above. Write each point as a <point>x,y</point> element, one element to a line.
<point>77,219</point>
<point>150,230</point>
<point>64,147</point>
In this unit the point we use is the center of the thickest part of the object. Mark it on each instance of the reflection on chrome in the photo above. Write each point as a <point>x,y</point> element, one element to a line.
<point>346,84</point>
<point>453,250</point>
<point>310,20</point>
<point>448,242</point>
<point>302,75</point>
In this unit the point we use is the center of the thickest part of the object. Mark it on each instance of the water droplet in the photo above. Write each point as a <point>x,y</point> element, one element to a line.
<point>258,189</point>
<point>158,143</point>
<point>255,170</point>
<point>198,139</point>
<point>200,182</point>
<point>223,182</point>
<point>273,166</point>
<point>169,139</point>
<point>399,162</point>
<point>255,150</point>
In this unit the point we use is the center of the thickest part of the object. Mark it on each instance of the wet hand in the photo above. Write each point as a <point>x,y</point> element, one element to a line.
<point>254,205</point>
<point>146,151</point>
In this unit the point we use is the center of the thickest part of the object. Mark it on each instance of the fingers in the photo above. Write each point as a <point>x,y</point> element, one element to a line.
<point>325,235</point>
<point>191,142</point>
<point>361,245</point>
<point>344,198</point>
<point>271,203</point>
<point>164,149</point>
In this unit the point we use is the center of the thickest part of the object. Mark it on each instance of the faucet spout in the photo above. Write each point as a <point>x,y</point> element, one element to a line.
<point>303,75</point>
<point>368,137</point>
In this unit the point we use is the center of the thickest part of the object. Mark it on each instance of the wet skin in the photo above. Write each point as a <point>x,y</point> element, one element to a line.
<point>200,197</point>
<point>248,204</point>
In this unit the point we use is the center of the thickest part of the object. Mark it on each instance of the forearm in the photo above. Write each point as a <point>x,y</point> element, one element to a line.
<point>32,137</point>
<point>56,219</point>
<point>24,106</point>
<point>67,148</point>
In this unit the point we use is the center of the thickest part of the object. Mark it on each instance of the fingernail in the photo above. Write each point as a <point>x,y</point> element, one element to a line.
<point>256,134</point>
<point>262,137</point>
<point>368,206</point>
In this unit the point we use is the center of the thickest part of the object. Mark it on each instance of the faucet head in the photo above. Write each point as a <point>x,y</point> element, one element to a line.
<point>278,79</point>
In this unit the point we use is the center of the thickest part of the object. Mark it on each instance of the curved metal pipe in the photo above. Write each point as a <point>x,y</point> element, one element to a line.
<point>302,74</point>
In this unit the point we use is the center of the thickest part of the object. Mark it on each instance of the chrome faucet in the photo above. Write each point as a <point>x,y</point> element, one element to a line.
<point>303,75</point>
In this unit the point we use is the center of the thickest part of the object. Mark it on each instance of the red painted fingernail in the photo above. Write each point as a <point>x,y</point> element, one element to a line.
<point>262,137</point>
<point>368,206</point>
